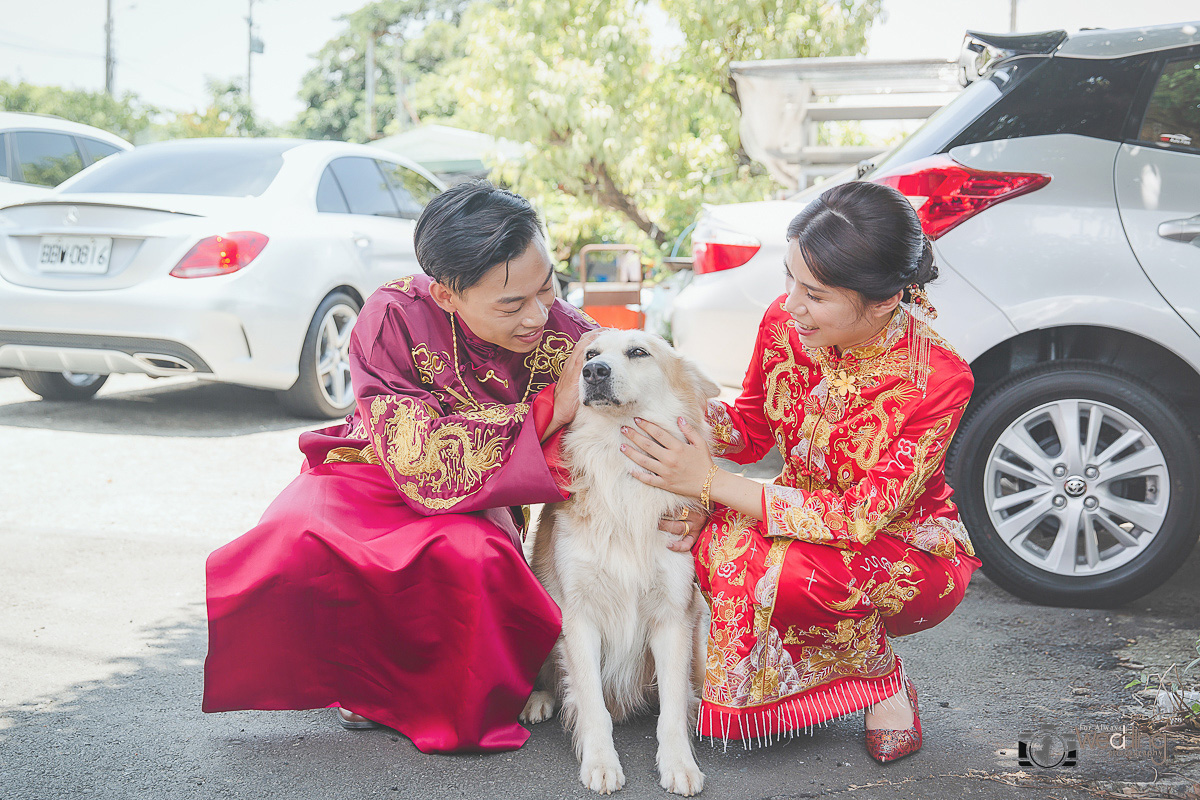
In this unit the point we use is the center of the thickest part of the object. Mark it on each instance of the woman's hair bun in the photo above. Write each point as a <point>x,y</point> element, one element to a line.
<point>926,271</point>
<point>866,237</point>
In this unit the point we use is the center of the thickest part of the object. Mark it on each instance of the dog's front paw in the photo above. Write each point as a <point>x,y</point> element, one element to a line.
<point>538,708</point>
<point>681,776</point>
<point>602,774</point>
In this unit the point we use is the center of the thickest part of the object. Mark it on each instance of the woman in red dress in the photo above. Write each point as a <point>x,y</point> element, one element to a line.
<point>857,540</point>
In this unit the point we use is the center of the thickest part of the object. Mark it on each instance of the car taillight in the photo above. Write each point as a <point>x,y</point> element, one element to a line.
<point>946,193</point>
<point>715,248</point>
<point>220,255</point>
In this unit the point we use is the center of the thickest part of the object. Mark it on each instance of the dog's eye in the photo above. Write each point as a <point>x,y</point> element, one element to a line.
<point>590,354</point>
<point>637,352</point>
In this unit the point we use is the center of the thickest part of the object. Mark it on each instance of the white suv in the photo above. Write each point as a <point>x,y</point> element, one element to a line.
<point>1061,189</point>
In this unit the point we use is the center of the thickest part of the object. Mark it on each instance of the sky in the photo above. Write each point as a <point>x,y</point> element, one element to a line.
<point>166,49</point>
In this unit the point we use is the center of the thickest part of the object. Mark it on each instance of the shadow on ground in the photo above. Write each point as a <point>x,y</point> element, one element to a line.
<point>172,408</point>
<point>140,732</point>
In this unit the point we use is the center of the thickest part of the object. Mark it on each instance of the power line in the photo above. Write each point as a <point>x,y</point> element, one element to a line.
<point>48,50</point>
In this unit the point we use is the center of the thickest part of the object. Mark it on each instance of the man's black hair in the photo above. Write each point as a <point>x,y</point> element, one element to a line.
<point>470,228</point>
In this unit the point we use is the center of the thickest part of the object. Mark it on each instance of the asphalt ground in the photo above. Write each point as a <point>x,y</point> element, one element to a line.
<point>108,509</point>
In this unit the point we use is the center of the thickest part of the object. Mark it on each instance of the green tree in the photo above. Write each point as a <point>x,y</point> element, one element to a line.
<point>126,116</point>
<point>638,123</point>
<point>228,114</point>
<point>412,33</point>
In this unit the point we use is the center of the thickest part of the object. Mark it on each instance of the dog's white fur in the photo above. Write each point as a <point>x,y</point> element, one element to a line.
<point>631,612</point>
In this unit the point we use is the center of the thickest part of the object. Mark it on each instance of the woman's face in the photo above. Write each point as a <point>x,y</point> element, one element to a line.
<point>507,309</point>
<point>829,316</point>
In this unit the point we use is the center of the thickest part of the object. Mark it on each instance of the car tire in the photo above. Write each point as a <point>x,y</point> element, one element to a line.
<point>1128,515</point>
<point>323,390</point>
<point>63,385</point>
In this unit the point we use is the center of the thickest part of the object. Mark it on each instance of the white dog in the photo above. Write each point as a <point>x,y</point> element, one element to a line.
<point>631,611</point>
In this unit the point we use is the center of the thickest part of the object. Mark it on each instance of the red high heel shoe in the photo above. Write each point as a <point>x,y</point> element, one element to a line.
<point>887,745</point>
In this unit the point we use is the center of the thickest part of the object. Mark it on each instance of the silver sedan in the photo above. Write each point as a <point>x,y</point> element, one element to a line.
<point>237,260</point>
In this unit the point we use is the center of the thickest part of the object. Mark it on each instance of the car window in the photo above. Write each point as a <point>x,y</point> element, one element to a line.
<point>329,195</point>
<point>950,120</point>
<point>1173,115</point>
<point>412,191</point>
<point>97,149</point>
<point>4,156</point>
<point>218,169</point>
<point>1084,96</point>
<point>46,159</point>
<point>365,187</point>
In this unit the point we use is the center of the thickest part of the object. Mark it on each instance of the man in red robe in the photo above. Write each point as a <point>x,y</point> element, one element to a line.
<point>388,578</point>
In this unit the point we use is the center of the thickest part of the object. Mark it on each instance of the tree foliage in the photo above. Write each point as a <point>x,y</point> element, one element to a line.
<point>629,107</point>
<point>126,116</point>
<point>410,35</point>
<point>229,113</point>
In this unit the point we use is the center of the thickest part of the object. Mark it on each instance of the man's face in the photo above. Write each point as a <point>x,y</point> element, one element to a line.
<point>510,313</point>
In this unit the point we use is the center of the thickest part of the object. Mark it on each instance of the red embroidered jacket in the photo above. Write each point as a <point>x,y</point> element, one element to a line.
<point>456,421</point>
<point>863,434</point>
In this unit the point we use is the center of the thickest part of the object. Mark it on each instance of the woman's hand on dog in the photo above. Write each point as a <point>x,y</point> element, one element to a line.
<point>678,467</point>
<point>683,467</point>
<point>687,529</point>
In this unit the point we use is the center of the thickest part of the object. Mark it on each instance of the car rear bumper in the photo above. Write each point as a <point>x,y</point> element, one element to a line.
<point>80,352</point>
<point>172,328</point>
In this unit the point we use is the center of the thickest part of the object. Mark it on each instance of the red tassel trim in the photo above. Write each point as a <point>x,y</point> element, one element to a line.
<point>800,713</point>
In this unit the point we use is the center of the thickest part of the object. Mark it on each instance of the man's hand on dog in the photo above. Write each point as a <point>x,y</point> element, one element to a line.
<point>687,529</point>
<point>566,391</point>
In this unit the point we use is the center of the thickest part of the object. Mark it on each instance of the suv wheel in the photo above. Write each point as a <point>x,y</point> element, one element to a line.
<point>323,390</point>
<point>63,385</point>
<point>1077,484</point>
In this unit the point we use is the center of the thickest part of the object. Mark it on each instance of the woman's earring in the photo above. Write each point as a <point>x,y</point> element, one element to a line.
<point>920,301</point>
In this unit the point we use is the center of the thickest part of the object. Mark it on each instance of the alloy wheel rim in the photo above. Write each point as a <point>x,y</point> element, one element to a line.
<point>1077,487</point>
<point>333,355</point>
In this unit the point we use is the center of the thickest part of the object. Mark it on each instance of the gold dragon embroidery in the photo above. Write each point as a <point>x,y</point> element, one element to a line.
<point>446,457</point>
<point>868,440</point>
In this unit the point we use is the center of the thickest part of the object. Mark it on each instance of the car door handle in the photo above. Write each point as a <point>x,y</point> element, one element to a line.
<point>1181,230</point>
<point>362,240</point>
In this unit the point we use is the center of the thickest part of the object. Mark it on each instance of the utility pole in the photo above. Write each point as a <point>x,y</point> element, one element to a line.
<point>1012,16</point>
<point>253,45</point>
<point>405,115</point>
<point>370,88</point>
<point>108,50</point>
<point>250,45</point>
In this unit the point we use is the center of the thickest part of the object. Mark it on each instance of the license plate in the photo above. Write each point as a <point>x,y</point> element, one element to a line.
<point>86,254</point>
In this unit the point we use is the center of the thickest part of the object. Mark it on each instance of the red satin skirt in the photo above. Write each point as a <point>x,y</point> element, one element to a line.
<point>343,596</point>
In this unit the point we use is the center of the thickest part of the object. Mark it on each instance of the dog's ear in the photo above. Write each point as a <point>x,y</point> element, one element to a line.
<point>698,378</point>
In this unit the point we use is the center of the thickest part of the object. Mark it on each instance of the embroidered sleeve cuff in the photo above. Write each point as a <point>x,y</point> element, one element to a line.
<point>725,435</point>
<point>796,514</point>
<point>543,410</point>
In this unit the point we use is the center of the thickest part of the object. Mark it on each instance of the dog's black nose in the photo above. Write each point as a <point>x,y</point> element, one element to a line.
<point>595,371</point>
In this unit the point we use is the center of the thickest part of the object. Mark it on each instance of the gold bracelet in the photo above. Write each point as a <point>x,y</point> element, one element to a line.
<point>705,500</point>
